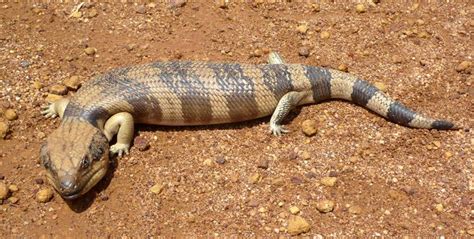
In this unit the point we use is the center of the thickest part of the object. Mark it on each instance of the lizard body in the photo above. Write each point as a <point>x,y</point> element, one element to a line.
<point>192,93</point>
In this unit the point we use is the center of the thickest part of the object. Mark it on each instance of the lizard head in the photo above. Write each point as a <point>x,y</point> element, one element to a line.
<point>76,157</point>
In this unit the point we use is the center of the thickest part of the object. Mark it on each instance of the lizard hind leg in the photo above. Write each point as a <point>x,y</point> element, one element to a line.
<point>120,124</point>
<point>285,105</point>
<point>55,109</point>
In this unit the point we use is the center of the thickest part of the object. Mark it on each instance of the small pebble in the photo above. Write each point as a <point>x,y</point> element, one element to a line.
<point>3,130</point>
<point>39,181</point>
<point>304,51</point>
<point>130,47</point>
<point>325,206</point>
<point>305,155</point>
<point>325,35</point>
<point>52,98</point>
<point>10,114</point>
<point>177,3</point>
<point>140,9</point>
<point>4,192</point>
<point>464,67</point>
<point>343,67</point>
<point>381,86</point>
<point>58,89</point>
<point>13,200</point>
<point>297,225</point>
<point>93,13</point>
<point>157,188</point>
<point>24,64</point>
<point>141,143</point>
<point>423,34</point>
<point>448,154</point>
<point>90,51</point>
<point>309,127</point>
<point>329,181</point>
<point>224,4</point>
<point>13,188</point>
<point>294,210</point>
<point>303,28</point>
<point>257,53</point>
<point>255,178</point>
<point>439,207</point>
<point>220,160</point>
<point>37,85</point>
<point>263,164</point>
<point>315,7</point>
<point>44,195</point>
<point>72,82</point>
<point>436,143</point>
<point>360,8</point>
<point>208,162</point>
<point>76,14</point>
<point>355,209</point>
<point>296,180</point>
<point>104,197</point>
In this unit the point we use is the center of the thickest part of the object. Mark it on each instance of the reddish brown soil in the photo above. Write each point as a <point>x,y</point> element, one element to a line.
<point>395,175</point>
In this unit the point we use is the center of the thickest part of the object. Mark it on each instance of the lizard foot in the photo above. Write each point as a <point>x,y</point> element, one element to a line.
<point>277,130</point>
<point>48,111</point>
<point>120,149</point>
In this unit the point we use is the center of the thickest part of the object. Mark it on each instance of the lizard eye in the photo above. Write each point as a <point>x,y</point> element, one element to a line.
<point>85,162</point>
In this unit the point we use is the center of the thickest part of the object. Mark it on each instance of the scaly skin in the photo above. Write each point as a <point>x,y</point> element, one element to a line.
<point>76,155</point>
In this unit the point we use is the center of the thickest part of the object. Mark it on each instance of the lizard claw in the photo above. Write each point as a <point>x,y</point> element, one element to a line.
<point>119,149</point>
<point>278,130</point>
<point>48,111</point>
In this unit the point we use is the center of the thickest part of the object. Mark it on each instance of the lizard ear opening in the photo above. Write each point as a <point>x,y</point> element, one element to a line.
<point>98,146</point>
<point>44,156</point>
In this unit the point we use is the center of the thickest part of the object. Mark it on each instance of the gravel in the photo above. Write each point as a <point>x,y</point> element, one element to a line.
<point>325,206</point>
<point>58,89</point>
<point>4,191</point>
<point>3,129</point>
<point>304,51</point>
<point>157,188</point>
<point>329,181</point>
<point>297,225</point>
<point>10,114</point>
<point>309,127</point>
<point>72,83</point>
<point>90,51</point>
<point>44,195</point>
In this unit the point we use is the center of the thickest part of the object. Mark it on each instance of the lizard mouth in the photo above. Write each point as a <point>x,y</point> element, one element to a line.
<point>85,182</point>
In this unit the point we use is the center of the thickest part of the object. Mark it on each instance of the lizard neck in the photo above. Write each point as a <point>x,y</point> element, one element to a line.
<point>96,116</point>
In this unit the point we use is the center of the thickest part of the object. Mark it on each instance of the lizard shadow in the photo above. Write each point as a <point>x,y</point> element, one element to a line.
<point>234,125</point>
<point>82,203</point>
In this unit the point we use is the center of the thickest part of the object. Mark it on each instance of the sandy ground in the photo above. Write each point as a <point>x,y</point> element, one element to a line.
<point>237,180</point>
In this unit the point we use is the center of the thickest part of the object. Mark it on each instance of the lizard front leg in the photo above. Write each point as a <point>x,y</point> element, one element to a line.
<point>56,108</point>
<point>120,124</point>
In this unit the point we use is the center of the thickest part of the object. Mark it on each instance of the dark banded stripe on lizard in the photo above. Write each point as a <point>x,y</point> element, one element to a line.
<point>191,93</point>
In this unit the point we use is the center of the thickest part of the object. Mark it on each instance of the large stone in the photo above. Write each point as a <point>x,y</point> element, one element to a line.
<point>297,225</point>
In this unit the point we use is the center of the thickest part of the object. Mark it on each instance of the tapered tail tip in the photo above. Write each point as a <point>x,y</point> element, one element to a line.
<point>443,125</point>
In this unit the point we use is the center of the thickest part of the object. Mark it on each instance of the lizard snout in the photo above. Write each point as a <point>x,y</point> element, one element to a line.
<point>68,186</point>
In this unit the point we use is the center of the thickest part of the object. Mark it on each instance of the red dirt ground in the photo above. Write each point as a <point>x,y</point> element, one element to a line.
<point>391,180</point>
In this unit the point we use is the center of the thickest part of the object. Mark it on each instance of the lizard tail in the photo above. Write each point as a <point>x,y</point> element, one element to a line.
<point>361,92</point>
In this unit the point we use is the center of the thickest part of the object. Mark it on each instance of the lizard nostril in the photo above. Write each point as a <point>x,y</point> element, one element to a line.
<point>68,183</point>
